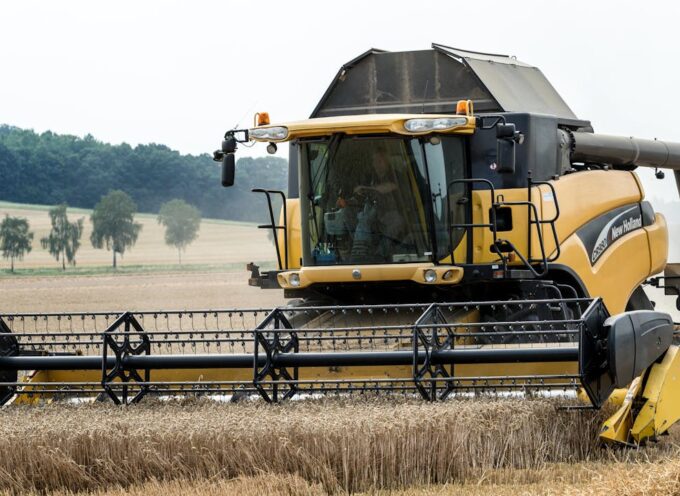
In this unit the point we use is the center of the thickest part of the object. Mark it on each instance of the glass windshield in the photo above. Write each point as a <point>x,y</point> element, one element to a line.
<point>380,199</point>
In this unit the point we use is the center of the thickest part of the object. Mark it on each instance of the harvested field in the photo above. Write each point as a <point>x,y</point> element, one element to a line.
<point>332,445</point>
<point>152,291</point>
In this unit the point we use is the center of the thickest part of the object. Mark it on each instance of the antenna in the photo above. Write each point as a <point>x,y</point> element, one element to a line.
<point>247,112</point>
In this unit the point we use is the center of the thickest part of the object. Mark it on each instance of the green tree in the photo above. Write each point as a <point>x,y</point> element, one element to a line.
<point>182,222</point>
<point>113,223</point>
<point>15,238</point>
<point>50,169</point>
<point>64,238</point>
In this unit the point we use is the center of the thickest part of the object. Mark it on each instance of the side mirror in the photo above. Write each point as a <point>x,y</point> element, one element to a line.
<point>229,145</point>
<point>505,156</point>
<point>228,169</point>
<point>506,136</point>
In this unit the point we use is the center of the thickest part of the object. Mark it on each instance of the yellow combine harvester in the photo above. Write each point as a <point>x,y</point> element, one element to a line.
<point>451,228</point>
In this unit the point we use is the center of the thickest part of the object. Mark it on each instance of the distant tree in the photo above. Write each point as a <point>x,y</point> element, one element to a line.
<point>64,238</point>
<point>15,238</point>
<point>182,222</point>
<point>50,169</point>
<point>113,223</point>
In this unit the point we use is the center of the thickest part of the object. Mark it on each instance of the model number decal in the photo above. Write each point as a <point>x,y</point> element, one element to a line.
<point>599,234</point>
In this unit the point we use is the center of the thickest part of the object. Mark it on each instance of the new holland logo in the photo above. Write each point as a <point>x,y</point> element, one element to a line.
<point>620,225</point>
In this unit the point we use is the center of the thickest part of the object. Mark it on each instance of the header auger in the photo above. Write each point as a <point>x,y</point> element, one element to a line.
<point>450,229</point>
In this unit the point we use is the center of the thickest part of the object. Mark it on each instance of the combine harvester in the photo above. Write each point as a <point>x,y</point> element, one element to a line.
<point>451,228</point>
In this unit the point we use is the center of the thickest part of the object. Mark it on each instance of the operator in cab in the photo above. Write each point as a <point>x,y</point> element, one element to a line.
<point>379,224</point>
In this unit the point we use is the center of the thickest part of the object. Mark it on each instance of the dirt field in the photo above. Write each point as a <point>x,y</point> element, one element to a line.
<point>218,242</point>
<point>153,291</point>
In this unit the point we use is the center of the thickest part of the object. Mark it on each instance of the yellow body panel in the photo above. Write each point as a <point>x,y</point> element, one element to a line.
<point>363,124</point>
<point>616,428</point>
<point>658,244</point>
<point>383,272</point>
<point>483,236</point>
<point>294,234</point>
<point>662,401</point>
<point>584,196</point>
<point>606,278</point>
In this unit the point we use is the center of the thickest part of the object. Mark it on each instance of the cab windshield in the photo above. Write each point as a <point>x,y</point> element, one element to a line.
<point>373,200</point>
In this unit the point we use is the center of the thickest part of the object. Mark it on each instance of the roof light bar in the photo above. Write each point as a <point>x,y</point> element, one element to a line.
<point>275,133</point>
<point>434,124</point>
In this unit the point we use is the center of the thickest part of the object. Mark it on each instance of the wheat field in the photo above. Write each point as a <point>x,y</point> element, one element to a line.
<point>328,446</point>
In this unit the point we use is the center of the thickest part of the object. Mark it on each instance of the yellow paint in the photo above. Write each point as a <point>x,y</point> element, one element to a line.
<point>617,397</point>
<point>483,236</point>
<point>658,244</point>
<point>584,196</point>
<point>371,273</point>
<point>606,278</point>
<point>616,429</point>
<point>363,124</point>
<point>662,401</point>
<point>294,234</point>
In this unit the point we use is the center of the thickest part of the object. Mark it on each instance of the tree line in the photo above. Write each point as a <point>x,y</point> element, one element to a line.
<point>113,228</point>
<point>53,169</point>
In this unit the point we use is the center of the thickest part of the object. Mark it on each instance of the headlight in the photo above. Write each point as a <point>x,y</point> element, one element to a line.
<point>269,133</point>
<point>438,124</point>
<point>430,275</point>
<point>294,279</point>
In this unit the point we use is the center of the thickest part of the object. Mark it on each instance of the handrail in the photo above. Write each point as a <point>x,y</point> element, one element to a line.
<point>275,227</point>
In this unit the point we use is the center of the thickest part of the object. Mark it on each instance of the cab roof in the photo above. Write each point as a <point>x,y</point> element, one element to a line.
<point>363,124</point>
<point>378,81</point>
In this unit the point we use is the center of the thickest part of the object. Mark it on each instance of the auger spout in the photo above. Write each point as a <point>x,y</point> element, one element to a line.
<point>624,151</point>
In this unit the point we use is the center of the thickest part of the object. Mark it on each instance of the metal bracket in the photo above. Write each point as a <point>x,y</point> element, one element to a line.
<point>669,282</point>
<point>426,334</point>
<point>594,366</point>
<point>274,337</point>
<point>8,347</point>
<point>120,372</point>
<point>264,280</point>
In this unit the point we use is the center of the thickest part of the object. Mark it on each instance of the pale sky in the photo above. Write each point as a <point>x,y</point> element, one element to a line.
<point>181,73</point>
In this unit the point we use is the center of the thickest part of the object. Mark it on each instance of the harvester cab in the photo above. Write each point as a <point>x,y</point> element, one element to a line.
<point>450,228</point>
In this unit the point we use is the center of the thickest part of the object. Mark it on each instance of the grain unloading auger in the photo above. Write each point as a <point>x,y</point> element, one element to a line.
<point>429,248</point>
